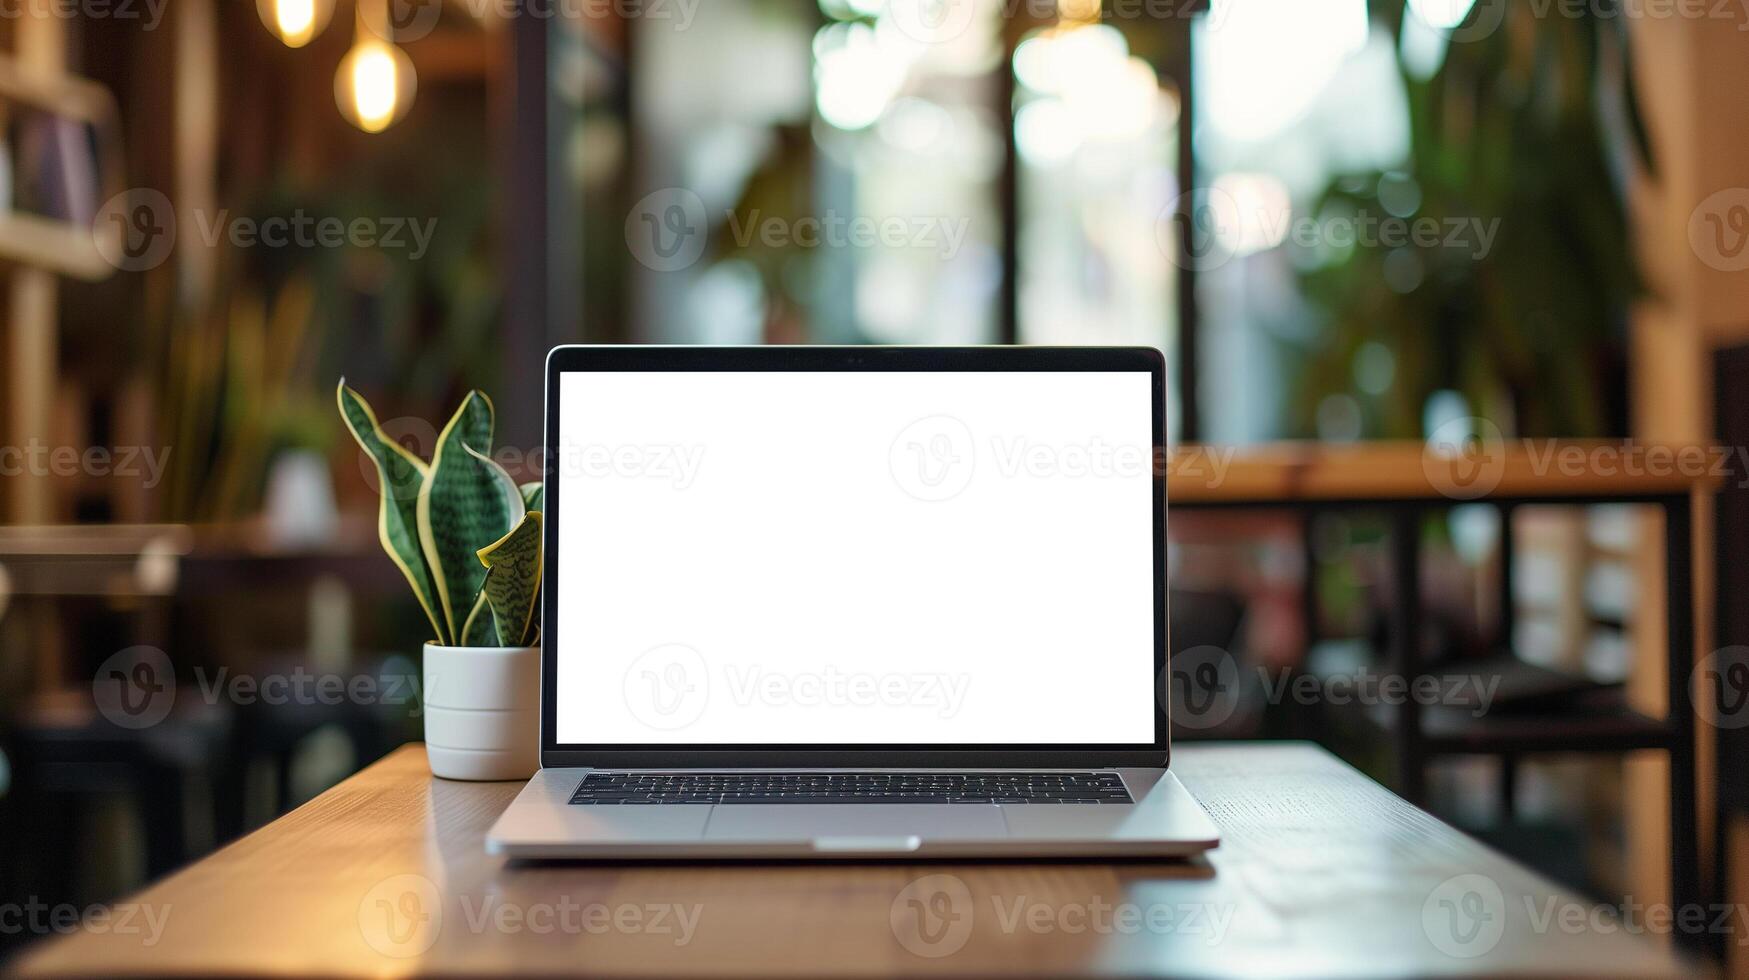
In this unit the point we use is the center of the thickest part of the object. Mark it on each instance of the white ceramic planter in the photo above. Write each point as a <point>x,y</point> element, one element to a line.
<point>482,711</point>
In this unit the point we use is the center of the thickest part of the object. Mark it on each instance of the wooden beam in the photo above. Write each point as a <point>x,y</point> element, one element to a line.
<point>31,302</point>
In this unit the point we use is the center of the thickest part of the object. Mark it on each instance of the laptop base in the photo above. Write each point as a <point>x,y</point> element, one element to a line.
<point>542,823</point>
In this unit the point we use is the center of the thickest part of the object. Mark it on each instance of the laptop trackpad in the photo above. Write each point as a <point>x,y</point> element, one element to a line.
<point>902,824</point>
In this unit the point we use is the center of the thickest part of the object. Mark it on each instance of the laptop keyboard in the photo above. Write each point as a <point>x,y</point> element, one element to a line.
<point>622,788</point>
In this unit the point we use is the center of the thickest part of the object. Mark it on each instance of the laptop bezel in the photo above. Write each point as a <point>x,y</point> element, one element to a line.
<point>862,358</point>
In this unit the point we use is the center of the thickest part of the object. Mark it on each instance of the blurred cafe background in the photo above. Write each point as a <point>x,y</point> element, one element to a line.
<point>1350,224</point>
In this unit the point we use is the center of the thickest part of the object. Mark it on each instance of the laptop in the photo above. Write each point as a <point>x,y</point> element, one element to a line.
<point>856,603</point>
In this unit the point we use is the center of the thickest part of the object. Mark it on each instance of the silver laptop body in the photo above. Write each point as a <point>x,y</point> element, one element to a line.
<point>854,602</point>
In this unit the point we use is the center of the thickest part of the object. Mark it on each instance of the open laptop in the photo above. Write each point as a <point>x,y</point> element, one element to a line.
<point>854,602</point>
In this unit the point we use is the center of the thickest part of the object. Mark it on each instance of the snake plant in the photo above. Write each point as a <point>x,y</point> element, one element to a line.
<point>465,535</point>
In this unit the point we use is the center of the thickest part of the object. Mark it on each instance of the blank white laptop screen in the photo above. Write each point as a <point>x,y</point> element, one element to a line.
<point>867,558</point>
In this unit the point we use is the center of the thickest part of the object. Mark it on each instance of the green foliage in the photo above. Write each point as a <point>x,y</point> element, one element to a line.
<point>532,495</point>
<point>513,580</point>
<point>1530,126</point>
<point>446,524</point>
<point>400,475</point>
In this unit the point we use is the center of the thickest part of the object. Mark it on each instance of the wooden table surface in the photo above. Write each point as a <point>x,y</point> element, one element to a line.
<point>1322,873</point>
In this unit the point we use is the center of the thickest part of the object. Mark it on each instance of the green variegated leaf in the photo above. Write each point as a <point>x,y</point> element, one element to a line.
<point>533,497</point>
<point>479,630</point>
<point>513,580</point>
<point>507,488</point>
<point>401,476</point>
<point>463,507</point>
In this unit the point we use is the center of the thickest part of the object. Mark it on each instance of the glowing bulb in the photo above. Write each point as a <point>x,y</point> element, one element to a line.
<point>295,22</point>
<point>296,18</point>
<point>374,87</point>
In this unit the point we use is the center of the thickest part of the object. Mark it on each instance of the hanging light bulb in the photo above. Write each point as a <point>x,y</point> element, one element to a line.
<point>295,22</point>
<point>374,86</point>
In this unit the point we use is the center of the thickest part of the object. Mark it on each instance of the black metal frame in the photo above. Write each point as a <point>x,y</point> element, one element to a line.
<point>1730,612</point>
<point>858,359</point>
<point>535,232</point>
<point>1674,735</point>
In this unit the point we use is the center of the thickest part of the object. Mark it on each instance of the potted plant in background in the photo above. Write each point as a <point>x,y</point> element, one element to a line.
<point>468,539</point>
<point>1533,123</point>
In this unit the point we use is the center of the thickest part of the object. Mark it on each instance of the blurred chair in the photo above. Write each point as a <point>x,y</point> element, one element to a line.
<point>68,753</point>
<point>110,587</point>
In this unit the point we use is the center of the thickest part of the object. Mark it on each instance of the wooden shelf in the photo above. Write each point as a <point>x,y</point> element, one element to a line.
<point>1285,474</point>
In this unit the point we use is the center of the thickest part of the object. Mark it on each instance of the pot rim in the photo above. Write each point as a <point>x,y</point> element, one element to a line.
<point>494,649</point>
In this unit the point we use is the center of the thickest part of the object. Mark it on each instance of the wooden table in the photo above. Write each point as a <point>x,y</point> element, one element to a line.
<point>1322,873</point>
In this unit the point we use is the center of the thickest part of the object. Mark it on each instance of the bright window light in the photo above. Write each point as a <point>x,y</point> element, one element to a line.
<point>1266,61</point>
<point>1443,14</point>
